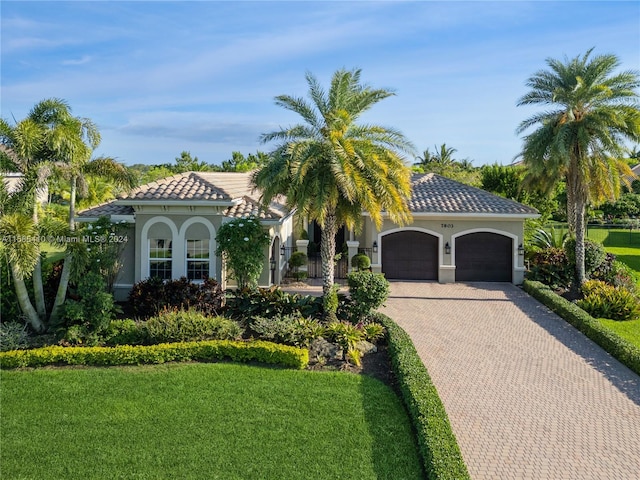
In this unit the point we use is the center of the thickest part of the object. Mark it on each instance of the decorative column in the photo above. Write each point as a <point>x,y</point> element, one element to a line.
<point>301,246</point>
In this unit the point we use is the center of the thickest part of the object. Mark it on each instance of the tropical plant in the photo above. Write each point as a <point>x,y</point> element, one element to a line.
<point>331,168</point>
<point>297,260</point>
<point>51,140</point>
<point>241,242</point>
<point>580,137</point>
<point>368,292</point>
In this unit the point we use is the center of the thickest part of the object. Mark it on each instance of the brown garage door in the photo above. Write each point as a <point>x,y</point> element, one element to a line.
<point>484,257</point>
<point>410,255</point>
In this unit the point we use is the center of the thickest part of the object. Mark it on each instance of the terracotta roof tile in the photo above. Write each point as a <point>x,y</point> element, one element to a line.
<point>432,193</point>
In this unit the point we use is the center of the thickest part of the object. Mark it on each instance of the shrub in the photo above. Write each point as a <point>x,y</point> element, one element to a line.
<point>125,332</point>
<point>189,325</point>
<point>438,447</point>
<point>152,295</point>
<point>245,304</point>
<point>13,336</point>
<point>360,261</point>
<point>605,301</point>
<point>297,260</point>
<point>551,267</point>
<point>287,329</point>
<point>616,273</point>
<point>259,351</point>
<point>241,242</point>
<point>93,310</point>
<point>621,349</point>
<point>368,291</point>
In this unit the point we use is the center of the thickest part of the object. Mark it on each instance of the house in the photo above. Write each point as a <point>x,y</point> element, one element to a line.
<point>173,223</point>
<point>459,233</point>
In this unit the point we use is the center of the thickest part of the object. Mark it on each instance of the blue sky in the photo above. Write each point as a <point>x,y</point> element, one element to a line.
<point>162,77</point>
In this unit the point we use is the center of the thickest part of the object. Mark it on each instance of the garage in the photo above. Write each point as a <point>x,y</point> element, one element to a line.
<point>484,257</point>
<point>410,255</point>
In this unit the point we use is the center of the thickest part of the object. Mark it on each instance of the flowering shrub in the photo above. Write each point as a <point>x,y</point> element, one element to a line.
<point>241,242</point>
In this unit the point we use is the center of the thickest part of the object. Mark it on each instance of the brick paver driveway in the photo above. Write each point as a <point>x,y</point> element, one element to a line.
<point>528,396</point>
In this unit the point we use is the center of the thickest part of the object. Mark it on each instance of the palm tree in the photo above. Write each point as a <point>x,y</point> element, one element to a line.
<point>580,137</point>
<point>444,156</point>
<point>331,169</point>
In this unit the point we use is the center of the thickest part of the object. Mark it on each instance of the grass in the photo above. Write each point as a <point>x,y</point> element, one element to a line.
<point>202,420</point>
<point>629,330</point>
<point>624,244</point>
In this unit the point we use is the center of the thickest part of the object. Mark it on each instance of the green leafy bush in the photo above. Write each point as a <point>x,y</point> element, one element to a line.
<point>258,351</point>
<point>125,332</point>
<point>13,336</point>
<point>437,444</point>
<point>189,325</point>
<point>297,260</point>
<point>241,242</point>
<point>368,292</point>
<point>605,301</point>
<point>551,267</point>
<point>616,273</point>
<point>245,304</point>
<point>287,329</point>
<point>360,261</point>
<point>624,351</point>
<point>153,295</point>
<point>94,308</point>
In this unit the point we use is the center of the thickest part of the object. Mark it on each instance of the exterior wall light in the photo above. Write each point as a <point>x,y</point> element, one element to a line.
<point>520,250</point>
<point>375,247</point>
<point>282,250</point>
<point>447,248</point>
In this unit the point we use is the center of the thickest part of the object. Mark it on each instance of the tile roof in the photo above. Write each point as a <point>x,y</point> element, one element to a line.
<point>106,209</point>
<point>184,186</point>
<point>231,188</point>
<point>432,193</point>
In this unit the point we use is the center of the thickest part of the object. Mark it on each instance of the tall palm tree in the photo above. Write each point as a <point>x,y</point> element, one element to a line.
<point>590,113</point>
<point>444,156</point>
<point>331,168</point>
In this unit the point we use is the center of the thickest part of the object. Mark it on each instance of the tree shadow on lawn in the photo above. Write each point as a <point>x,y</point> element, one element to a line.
<point>620,376</point>
<point>388,422</point>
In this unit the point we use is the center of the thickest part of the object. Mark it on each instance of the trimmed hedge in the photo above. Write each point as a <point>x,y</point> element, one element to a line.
<point>439,449</point>
<point>624,351</point>
<point>258,351</point>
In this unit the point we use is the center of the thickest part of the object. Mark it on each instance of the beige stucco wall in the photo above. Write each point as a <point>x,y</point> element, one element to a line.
<point>180,224</point>
<point>447,229</point>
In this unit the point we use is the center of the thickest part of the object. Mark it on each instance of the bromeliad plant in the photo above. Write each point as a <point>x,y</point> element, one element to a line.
<point>242,242</point>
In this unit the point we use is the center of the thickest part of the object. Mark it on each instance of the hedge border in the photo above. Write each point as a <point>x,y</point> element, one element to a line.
<point>439,450</point>
<point>618,347</point>
<point>259,351</point>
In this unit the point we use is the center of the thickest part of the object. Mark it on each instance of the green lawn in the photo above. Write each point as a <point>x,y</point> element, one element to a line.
<point>623,243</point>
<point>629,330</point>
<point>195,421</point>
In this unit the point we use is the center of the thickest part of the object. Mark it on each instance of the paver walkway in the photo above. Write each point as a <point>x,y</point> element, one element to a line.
<point>528,396</point>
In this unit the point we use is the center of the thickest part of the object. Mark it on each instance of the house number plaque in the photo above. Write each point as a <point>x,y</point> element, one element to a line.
<point>446,225</point>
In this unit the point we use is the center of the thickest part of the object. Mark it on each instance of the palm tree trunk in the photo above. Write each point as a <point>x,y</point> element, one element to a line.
<point>571,209</point>
<point>328,252</point>
<point>72,202</point>
<point>61,294</point>
<point>38,288</point>
<point>25,302</point>
<point>580,257</point>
